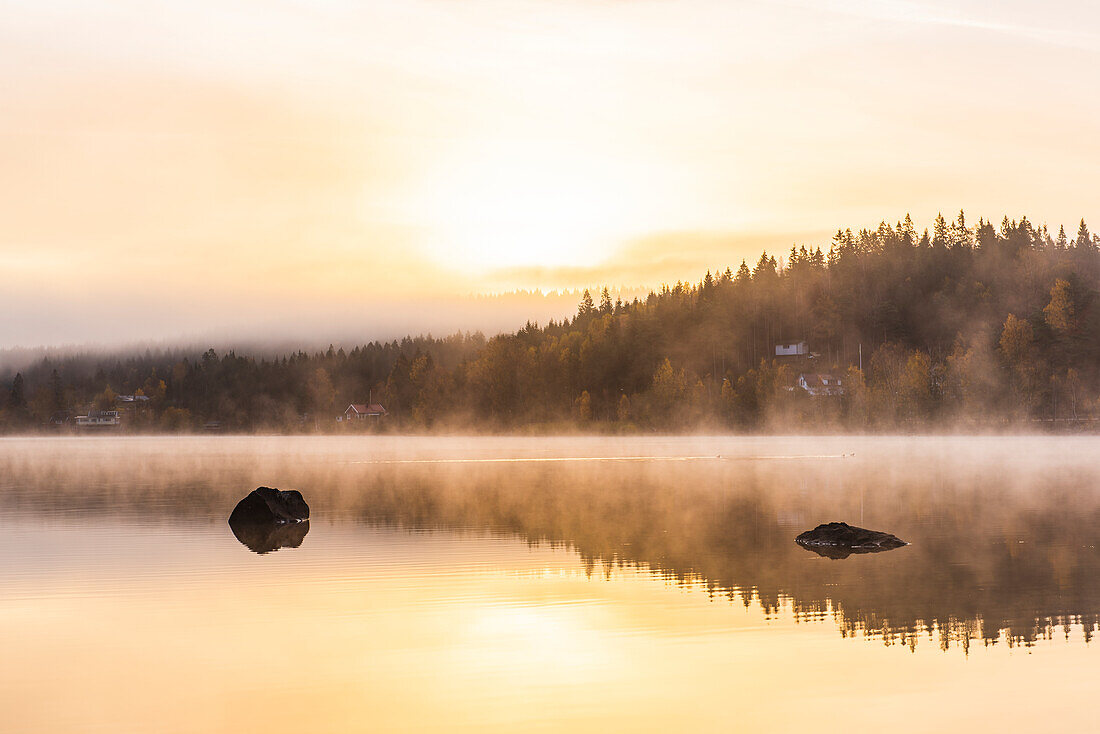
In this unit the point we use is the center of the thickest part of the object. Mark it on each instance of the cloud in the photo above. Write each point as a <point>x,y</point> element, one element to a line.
<point>660,258</point>
<point>990,17</point>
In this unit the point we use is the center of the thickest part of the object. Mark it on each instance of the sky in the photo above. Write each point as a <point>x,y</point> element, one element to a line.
<point>332,169</point>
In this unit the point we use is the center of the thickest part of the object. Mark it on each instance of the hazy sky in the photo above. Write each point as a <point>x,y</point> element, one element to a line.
<point>235,166</point>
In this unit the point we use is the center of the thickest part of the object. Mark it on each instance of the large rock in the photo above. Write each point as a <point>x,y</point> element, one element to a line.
<point>267,505</point>
<point>269,519</point>
<point>839,540</point>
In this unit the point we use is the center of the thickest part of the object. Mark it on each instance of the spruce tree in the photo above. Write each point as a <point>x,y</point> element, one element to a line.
<point>743,275</point>
<point>1083,241</point>
<point>940,235</point>
<point>57,392</point>
<point>605,300</point>
<point>17,399</point>
<point>587,306</point>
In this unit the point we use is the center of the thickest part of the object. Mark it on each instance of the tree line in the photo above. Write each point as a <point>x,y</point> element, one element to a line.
<point>959,325</point>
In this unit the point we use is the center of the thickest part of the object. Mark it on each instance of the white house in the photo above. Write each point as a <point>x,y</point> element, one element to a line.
<point>98,419</point>
<point>798,349</point>
<point>821,384</point>
<point>362,411</point>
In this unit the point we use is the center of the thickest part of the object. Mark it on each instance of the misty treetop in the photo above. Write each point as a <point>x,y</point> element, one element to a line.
<point>955,325</point>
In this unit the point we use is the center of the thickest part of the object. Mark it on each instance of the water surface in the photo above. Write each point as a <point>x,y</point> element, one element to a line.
<point>563,584</point>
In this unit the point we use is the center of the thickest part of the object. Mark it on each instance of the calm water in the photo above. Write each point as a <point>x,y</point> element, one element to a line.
<point>486,584</point>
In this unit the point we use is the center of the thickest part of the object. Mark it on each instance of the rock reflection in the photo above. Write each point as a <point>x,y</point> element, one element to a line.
<point>266,537</point>
<point>840,552</point>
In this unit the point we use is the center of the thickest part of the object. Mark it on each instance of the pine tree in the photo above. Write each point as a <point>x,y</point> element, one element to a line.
<point>587,307</point>
<point>817,259</point>
<point>623,410</point>
<point>940,234</point>
<point>743,274</point>
<point>907,230</point>
<point>17,398</point>
<point>56,390</point>
<point>17,411</point>
<point>1044,236</point>
<point>1083,241</point>
<point>960,233</point>
<point>985,236</point>
<point>1061,243</point>
<point>765,266</point>
<point>840,242</point>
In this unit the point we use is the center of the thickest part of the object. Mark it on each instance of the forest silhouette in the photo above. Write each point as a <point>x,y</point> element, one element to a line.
<point>961,326</point>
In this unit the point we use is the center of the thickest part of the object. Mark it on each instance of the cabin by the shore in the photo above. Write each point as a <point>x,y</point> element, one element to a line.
<point>361,412</point>
<point>796,349</point>
<point>98,419</point>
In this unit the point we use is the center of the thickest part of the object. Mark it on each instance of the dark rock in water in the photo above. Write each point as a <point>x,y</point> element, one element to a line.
<point>267,505</point>
<point>839,540</point>
<point>269,519</point>
<point>265,537</point>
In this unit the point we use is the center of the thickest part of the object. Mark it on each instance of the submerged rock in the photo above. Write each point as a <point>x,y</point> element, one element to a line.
<point>839,540</point>
<point>267,505</point>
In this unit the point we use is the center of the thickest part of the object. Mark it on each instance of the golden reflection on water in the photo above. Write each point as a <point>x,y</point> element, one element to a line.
<point>596,596</point>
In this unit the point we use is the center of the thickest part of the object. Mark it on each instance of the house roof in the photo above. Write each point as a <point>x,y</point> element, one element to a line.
<point>366,409</point>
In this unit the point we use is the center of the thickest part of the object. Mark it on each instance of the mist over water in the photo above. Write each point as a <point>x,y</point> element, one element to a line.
<point>436,573</point>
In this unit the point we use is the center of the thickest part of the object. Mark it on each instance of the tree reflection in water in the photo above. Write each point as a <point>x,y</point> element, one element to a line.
<point>982,565</point>
<point>1002,548</point>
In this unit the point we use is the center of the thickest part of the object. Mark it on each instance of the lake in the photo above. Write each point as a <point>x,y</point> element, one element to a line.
<point>558,584</point>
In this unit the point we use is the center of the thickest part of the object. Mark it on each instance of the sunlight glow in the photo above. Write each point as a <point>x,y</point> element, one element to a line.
<point>514,202</point>
<point>559,640</point>
<point>337,165</point>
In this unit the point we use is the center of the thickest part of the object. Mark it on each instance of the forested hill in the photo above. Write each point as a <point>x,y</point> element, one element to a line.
<point>965,325</point>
